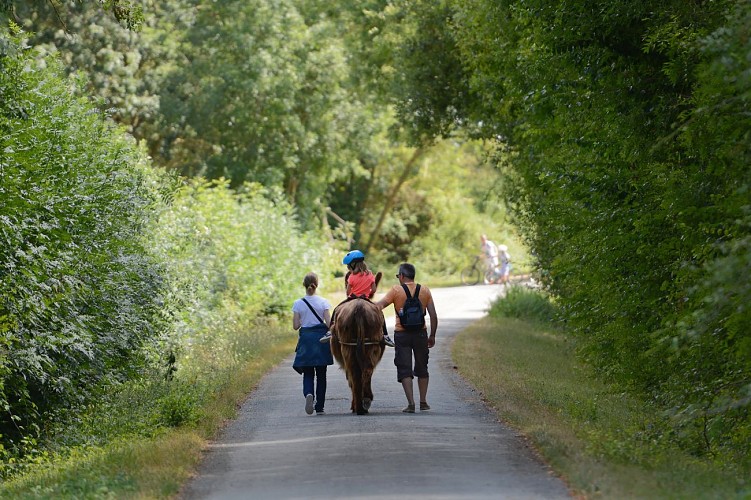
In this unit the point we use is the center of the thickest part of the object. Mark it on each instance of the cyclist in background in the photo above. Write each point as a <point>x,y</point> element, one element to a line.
<point>490,253</point>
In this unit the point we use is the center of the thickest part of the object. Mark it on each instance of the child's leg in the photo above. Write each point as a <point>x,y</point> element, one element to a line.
<point>386,339</point>
<point>327,337</point>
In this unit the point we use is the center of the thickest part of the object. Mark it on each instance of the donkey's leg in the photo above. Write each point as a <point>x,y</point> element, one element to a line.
<point>367,391</point>
<point>351,383</point>
<point>349,363</point>
<point>375,353</point>
<point>357,391</point>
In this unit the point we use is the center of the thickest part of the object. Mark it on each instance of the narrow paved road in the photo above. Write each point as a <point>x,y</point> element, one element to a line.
<point>457,450</point>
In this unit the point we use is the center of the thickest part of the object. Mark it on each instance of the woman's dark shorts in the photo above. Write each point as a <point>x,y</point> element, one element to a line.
<point>407,345</point>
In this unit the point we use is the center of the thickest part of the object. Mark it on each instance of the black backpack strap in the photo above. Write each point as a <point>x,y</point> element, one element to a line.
<point>314,311</point>
<point>409,295</point>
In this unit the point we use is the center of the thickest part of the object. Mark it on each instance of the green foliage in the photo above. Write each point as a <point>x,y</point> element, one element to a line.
<point>233,263</point>
<point>443,209</point>
<point>434,209</point>
<point>398,44</point>
<point>523,303</point>
<point>263,97</point>
<point>179,407</point>
<point>269,100</point>
<point>413,42</point>
<point>296,95</point>
<point>626,156</point>
<point>128,13</point>
<point>80,293</point>
<point>124,69</point>
<point>123,446</point>
<point>708,343</point>
<point>232,258</point>
<point>142,407</point>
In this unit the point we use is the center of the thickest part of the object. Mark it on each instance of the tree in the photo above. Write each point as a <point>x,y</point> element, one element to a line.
<point>391,44</point>
<point>127,12</point>
<point>619,118</point>
<point>125,69</point>
<point>263,97</point>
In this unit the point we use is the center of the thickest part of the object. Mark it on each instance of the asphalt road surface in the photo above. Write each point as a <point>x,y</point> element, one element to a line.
<point>457,450</point>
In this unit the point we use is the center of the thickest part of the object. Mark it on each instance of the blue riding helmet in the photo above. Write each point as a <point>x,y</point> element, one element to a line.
<point>353,256</point>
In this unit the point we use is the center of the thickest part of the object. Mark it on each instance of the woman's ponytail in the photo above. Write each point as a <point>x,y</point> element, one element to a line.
<point>310,282</point>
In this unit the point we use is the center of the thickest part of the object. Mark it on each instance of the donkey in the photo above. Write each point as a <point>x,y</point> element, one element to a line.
<point>357,345</point>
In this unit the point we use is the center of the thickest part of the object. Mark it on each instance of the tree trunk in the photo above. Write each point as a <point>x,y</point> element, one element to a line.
<point>389,203</point>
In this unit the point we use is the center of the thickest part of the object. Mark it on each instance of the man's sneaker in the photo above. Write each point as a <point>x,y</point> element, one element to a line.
<point>320,412</point>
<point>387,340</point>
<point>325,339</point>
<point>309,400</point>
<point>424,406</point>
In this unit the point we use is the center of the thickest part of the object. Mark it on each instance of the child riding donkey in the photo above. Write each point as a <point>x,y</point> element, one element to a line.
<point>361,283</point>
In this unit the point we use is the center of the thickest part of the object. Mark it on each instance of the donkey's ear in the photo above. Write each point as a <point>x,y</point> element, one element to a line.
<point>378,277</point>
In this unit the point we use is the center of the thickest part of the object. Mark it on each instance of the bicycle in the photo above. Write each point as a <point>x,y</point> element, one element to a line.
<point>472,274</point>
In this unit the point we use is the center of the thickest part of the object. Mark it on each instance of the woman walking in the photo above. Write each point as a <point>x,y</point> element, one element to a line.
<point>311,315</point>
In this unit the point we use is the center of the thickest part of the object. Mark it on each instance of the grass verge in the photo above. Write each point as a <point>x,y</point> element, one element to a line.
<point>151,466</point>
<point>604,443</point>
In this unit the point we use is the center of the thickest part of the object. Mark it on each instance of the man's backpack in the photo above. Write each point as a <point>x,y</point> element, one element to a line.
<point>412,315</point>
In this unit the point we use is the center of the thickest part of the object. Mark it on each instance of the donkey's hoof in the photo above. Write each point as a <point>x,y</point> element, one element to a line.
<point>366,404</point>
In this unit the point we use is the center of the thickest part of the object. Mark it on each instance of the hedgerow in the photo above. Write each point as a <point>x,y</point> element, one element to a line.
<point>116,280</point>
<point>80,293</point>
<point>624,134</point>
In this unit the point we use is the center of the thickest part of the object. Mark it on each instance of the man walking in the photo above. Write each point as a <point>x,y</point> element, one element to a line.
<point>410,333</point>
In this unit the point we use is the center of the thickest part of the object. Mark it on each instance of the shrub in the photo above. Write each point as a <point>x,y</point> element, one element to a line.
<point>233,259</point>
<point>524,303</point>
<point>79,292</point>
